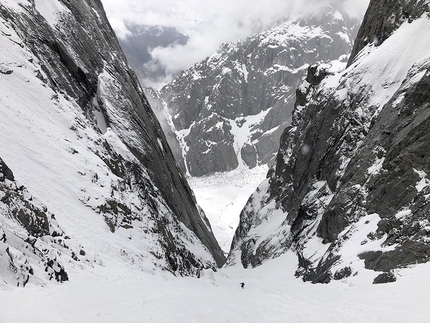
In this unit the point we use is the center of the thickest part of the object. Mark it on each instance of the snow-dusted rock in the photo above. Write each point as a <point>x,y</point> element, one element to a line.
<point>82,141</point>
<point>29,236</point>
<point>349,190</point>
<point>230,109</point>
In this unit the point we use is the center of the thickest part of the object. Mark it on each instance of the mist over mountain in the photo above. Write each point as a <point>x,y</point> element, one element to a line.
<point>138,46</point>
<point>211,23</point>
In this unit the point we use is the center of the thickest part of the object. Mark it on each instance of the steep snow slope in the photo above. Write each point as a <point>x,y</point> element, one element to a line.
<point>230,110</point>
<point>349,191</point>
<point>271,294</point>
<point>86,175</point>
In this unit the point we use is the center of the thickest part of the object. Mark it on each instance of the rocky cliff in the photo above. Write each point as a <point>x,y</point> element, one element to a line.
<point>350,191</point>
<point>230,110</point>
<point>84,160</point>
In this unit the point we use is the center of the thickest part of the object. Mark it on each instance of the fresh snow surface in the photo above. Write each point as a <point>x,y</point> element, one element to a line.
<point>271,294</point>
<point>50,10</point>
<point>384,67</point>
<point>223,196</point>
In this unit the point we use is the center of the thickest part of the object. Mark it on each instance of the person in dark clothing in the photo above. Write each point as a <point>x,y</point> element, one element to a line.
<point>242,284</point>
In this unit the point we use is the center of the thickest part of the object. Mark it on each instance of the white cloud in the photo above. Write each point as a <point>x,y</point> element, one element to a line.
<point>209,23</point>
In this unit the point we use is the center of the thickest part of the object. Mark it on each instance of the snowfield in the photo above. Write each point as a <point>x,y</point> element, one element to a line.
<point>223,196</point>
<point>271,294</point>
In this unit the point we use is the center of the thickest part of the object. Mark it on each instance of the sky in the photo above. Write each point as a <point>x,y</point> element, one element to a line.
<point>209,23</point>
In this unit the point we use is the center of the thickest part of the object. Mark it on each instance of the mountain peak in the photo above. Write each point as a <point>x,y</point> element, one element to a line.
<point>247,91</point>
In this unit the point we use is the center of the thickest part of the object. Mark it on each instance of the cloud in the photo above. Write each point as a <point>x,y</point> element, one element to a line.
<point>209,23</point>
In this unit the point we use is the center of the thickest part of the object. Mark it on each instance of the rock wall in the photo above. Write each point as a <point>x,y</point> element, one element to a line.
<point>349,188</point>
<point>231,109</point>
<point>128,174</point>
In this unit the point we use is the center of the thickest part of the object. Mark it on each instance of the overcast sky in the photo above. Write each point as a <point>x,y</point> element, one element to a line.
<point>209,23</point>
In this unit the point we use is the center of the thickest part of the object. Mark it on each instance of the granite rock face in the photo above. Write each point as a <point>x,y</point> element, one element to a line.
<point>350,184</point>
<point>230,109</point>
<point>128,176</point>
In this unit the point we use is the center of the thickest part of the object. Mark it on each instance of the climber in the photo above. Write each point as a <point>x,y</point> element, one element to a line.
<point>242,284</point>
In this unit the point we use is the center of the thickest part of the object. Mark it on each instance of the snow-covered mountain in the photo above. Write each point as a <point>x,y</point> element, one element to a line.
<point>76,203</point>
<point>230,110</point>
<point>86,175</point>
<point>349,192</point>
